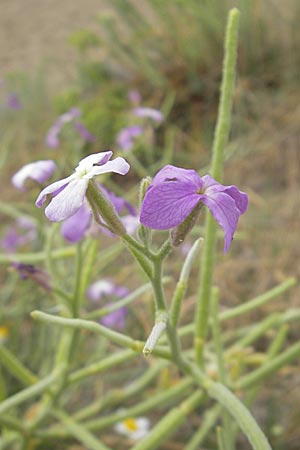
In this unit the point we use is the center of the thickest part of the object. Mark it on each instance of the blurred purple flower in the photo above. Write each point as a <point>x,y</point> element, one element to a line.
<point>38,171</point>
<point>149,113</point>
<point>134,96</point>
<point>52,137</point>
<point>126,137</point>
<point>106,288</point>
<point>68,194</point>
<point>175,192</point>
<point>39,276</point>
<point>13,102</point>
<point>22,233</point>
<point>74,228</point>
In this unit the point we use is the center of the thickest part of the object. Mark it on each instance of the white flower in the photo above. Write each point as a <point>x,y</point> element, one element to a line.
<point>134,428</point>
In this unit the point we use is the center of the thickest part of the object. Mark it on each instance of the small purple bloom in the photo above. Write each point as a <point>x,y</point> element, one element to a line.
<point>149,113</point>
<point>38,171</point>
<point>134,96</point>
<point>13,102</point>
<point>23,232</point>
<point>68,194</point>
<point>39,276</point>
<point>84,132</point>
<point>175,192</point>
<point>52,137</point>
<point>106,288</point>
<point>127,136</point>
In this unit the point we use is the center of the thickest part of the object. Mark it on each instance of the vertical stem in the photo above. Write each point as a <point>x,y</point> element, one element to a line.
<point>220,139</point>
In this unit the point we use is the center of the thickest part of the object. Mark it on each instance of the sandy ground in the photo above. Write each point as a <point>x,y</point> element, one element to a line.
<point>34,34</point>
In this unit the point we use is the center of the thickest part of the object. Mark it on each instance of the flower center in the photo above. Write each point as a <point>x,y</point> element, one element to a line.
<point>130,424</point>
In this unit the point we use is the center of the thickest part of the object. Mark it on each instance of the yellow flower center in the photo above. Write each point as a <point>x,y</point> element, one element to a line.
<point>3,333</point>
<point>131,424</point>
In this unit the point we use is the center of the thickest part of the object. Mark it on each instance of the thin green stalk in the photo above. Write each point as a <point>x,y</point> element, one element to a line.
<point>29,392</point>
<point>226,433</point>
<point>220,140</point>
<point>183,282</point>
<point>101,366</point>
<point>79,431</point>
<point>94,327</point>
<point>233,405</point>
<point>258,301</point>
<point>269,368</point>
<point>169,423</point>
<point>33,258</point>
<point>15,367</point>
<point>77,286</point>
<point>208,422</point>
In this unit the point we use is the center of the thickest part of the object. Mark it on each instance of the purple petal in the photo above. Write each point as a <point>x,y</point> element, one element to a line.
<point>134,96</point>
<point>52,189</point>
<point>149,113</point>
<point>84,132</point>
<point>52,140</point>
<point>166,205</point>
<point>125,138</point>
<point>39,171</point>
<point>223,208</point>
<point>115,319</point>
<point>170,172</point>
<point>240,198</point>
<point>95,159</point>
<point>13,101</point>
<point>69,115</point>
<point>68,201</point>
<point>74,228</point>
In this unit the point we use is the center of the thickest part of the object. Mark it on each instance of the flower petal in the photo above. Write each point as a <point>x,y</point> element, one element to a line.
<point>149,113</point>
<point>223,208</point>
<point>174,173</point>
<point>38,171</point>
<point>53,189</point>
<point>167,204</point>
<point>74,228</point>
<point>100,288</point>
<point>117,165</point>
<point>240,198</point>
<point>68,201</point>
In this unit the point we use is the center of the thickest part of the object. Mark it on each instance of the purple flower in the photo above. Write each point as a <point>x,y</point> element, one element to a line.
<point>68,194</point>
<point>39,276</point>
<point>13,102</point>
<point>38,171</point>
<point>52,137</point>
<point>175,192</point>
<point>74,228</point>
<point>134,96</point>
<point>149,113</point>
<point>23,232</point>
<point>106,288</point>
<point>126,137</point>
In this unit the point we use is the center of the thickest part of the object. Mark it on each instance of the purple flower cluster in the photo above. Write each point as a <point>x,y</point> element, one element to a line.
<point>175,192</point>
<point>23,232</point>
<point>52,138</point>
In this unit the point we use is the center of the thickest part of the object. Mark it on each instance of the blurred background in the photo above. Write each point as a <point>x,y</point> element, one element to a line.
<point>106,57</point>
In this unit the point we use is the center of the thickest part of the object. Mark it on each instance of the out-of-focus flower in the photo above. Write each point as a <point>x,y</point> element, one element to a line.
<point>13,101</point>
<point>134,96</point>
<point>23,232</point>
<point>52,137</point>
<point>105,288</point>
<point>39,276</point>
<point>4,333</point>
<point>134,428</point>
<point>175,193</point>
<point>68,194</point>
<point>149,113</point>
<point>127,136</point>
<point>38,171</point>
<point>74,228</point>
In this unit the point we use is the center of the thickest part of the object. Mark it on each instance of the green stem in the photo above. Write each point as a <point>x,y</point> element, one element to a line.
<point>220,140</point>
<point>15,367</point>
<point>94,327</point>
<point>79,431</point>
<point>169,424</point>
<point>33,258</point>
<point>29,392</point>
<point>208,422</point>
